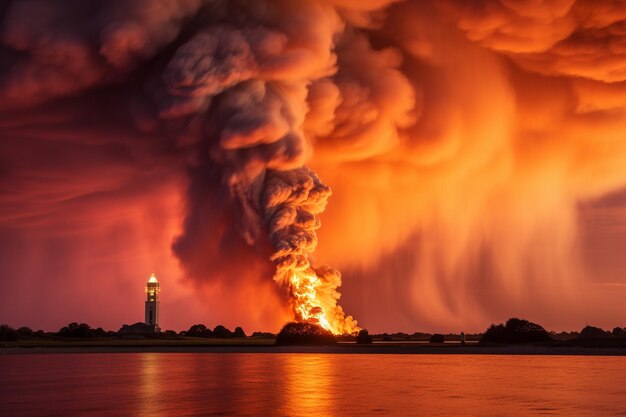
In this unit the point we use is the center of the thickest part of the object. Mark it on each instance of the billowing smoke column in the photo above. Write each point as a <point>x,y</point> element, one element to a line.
<point>250,71</point>
<point>291,201</point>
<point>459,138</point>
<point>252,75</point>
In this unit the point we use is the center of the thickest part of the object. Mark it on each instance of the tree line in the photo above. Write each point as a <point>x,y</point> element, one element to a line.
<point>84,330</point>
<point>512,332</point>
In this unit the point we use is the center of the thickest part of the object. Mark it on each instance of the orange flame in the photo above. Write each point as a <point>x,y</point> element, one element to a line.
<point>309,304</point>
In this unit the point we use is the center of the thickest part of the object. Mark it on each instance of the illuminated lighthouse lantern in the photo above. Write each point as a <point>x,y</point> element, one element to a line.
<point>152,303</point>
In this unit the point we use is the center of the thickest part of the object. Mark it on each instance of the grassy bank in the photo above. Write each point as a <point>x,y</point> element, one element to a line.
<point>261,345</point>
<point>136,343</point>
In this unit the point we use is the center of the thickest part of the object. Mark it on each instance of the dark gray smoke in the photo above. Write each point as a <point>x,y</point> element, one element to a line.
<point>412,109</point>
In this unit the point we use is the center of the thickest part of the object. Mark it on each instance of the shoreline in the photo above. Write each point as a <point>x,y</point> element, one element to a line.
<point>340,348</point>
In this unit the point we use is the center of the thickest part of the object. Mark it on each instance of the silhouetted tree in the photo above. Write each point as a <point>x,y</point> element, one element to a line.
<point>515,331</point>
<point>221,332</point>
<point>364,337</point>
<point>7,332</point>
<point>618,332</point>
<point>99,332</point>
<point>590,332</point>
<point>304,334</point>
<point>76,330</point>
<point>239,332</point>
<point>436,338</point>
<point>170,334</point>
<point>199,330</point>
<point>24,332</point>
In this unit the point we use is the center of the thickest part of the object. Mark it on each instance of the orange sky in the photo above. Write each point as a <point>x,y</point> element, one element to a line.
<point>475,152</point>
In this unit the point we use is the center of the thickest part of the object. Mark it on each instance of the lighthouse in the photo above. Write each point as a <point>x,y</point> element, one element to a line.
<point>152,303</point>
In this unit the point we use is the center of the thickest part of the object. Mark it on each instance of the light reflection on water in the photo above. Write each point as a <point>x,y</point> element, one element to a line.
<point>308,385</point>
<point>149,389</point>
<point>248,384</point>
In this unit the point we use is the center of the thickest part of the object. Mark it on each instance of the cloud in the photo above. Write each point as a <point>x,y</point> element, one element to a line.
<point>459,140</point>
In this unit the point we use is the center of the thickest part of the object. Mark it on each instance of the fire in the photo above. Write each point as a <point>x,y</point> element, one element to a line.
<point>292,201</point>
<point>469,145</point>
<point>306,289</point>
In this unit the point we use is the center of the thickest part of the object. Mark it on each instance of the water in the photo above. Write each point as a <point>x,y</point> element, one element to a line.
<point>237,384</point>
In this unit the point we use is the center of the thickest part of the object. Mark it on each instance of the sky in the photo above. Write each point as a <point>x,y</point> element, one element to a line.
<point>389,165</point>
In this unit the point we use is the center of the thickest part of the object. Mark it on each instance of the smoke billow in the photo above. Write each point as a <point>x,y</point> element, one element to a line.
<point>459,139</point>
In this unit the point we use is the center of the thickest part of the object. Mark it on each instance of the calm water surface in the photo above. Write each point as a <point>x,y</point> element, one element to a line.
<point>234,384</point>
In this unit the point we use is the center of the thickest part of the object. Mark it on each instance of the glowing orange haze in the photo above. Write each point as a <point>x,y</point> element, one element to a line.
<point>469,146</point>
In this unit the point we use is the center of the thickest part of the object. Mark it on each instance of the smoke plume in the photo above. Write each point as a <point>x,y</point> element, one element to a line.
<point>465,144</point>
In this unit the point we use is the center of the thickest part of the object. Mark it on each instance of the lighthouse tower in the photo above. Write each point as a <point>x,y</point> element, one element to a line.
<point>152,303</point>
